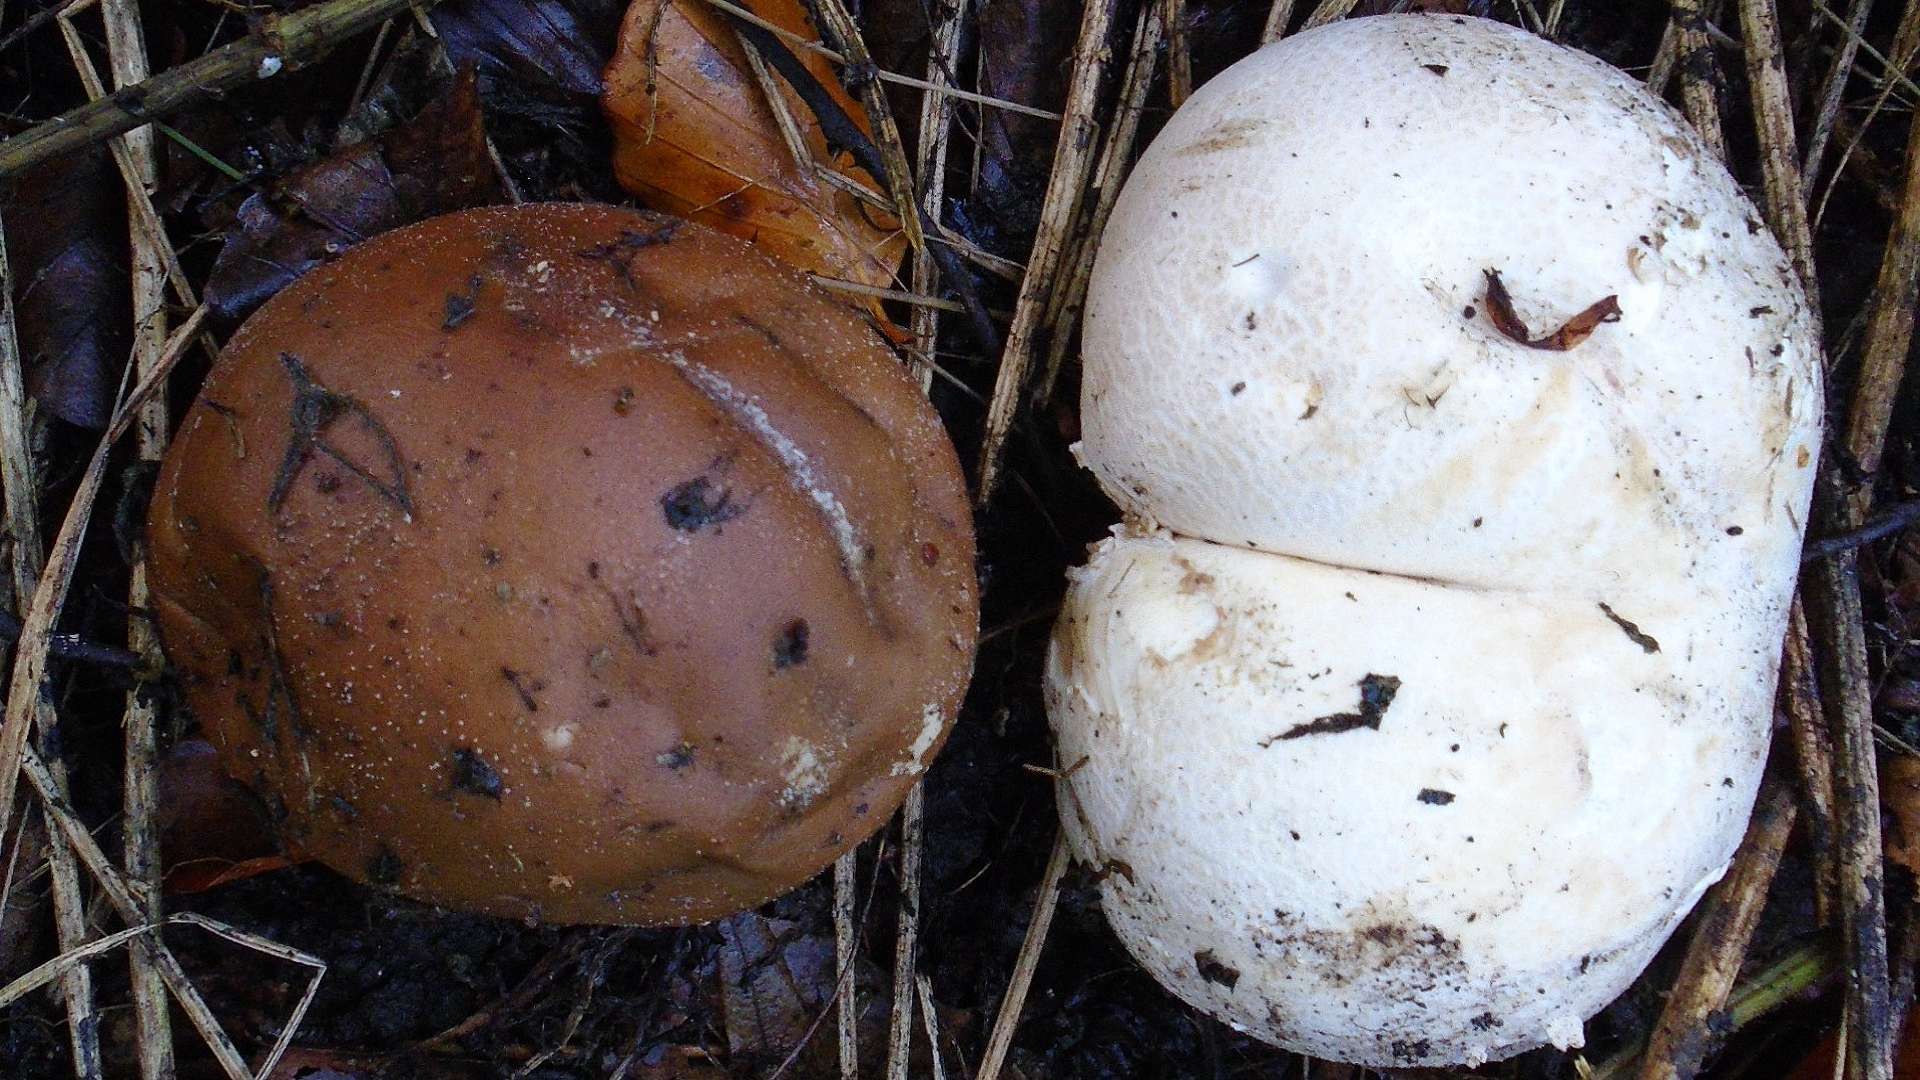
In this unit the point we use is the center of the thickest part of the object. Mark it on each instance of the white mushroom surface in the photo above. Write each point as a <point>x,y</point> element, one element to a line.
<point>1427,684</point>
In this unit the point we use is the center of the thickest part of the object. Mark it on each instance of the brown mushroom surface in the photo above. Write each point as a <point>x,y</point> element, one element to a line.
<point>566,562</point>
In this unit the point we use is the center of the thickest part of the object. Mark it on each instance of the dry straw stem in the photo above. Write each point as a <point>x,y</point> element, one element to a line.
<point>140,785</point>
<point>1173,17</point>
<point>1832,90</point>
<point>50,591</point>
<point>845,938</point>
<point>1328,11</point>
<point>949,21</point>
<point>1068,302</point>
<point>839,23</point>
<point>1277,18</point>
<point>1000,1040</point>
<point>913,841</point>
<point>1722,930</point>
<point>1066,185</point>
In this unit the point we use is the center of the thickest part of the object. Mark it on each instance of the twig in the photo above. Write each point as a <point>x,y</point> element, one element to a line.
<point>279,43</point>
<point>1724,928</point>
<point>1834,610</point>
<point>1779,152</point>
<point>1813,758</point>
<point>41,779</point>
<point>1008,1018</point>
<point>1066,185</point>
<point>1898,519</point>
<point>913,836</point>
<point>1693,58</point>
<point>1889,329</point>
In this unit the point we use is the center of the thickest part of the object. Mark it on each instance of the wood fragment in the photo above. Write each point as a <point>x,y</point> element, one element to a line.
<point>1066,185</point>
<point>1724,927</point>
<point>949,21</point>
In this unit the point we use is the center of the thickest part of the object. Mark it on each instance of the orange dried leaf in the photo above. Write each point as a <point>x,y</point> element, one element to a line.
<point>1900,790</point>
<point>694,135</point>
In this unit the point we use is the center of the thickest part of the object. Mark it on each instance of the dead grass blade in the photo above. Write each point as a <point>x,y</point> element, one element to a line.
<point>1015,999</point>
<point>1694,62</point>
<point>913,841</point>
<point>1066,185</point>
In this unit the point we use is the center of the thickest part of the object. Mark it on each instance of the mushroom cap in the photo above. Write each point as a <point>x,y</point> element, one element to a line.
<point>1300,259</point>
<point>566,562</point>
<point>1448,831</point>
<point>1396,574</point>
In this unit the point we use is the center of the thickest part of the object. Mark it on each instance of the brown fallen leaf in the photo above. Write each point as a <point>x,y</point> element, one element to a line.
<point>1572,332</point>
<point>67,239</point>
<point>695,136</point>
<point>775,980</point>
<point>1900,791</point>
<point>432,165</point>
<point>212,830</point>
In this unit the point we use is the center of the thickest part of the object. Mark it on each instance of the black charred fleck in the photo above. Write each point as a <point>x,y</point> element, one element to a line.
<point>525,687</point>
<point>1437,69</point>
<point>698,504</point>
<point>1435,797</point>
<point>1486,1021</point>
<point>1212,970</point>
<point>473,775</point>
<point>680,757</point>
<point>460,306</point>
<point>1376,694</point>
<point>790,648</point>
<point>384,869</point>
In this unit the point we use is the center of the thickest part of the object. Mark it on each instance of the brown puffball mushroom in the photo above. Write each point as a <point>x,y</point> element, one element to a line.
<point>569,563</point>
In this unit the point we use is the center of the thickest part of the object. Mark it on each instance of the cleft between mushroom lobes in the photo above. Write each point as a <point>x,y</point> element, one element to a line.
<point>1480,646</point>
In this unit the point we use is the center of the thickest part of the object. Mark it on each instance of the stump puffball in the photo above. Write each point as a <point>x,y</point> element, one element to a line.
<point>566,562</point>
<point>1464,414</point>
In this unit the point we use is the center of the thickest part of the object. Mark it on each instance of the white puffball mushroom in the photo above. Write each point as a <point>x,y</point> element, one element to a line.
<point>1464,415</point>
